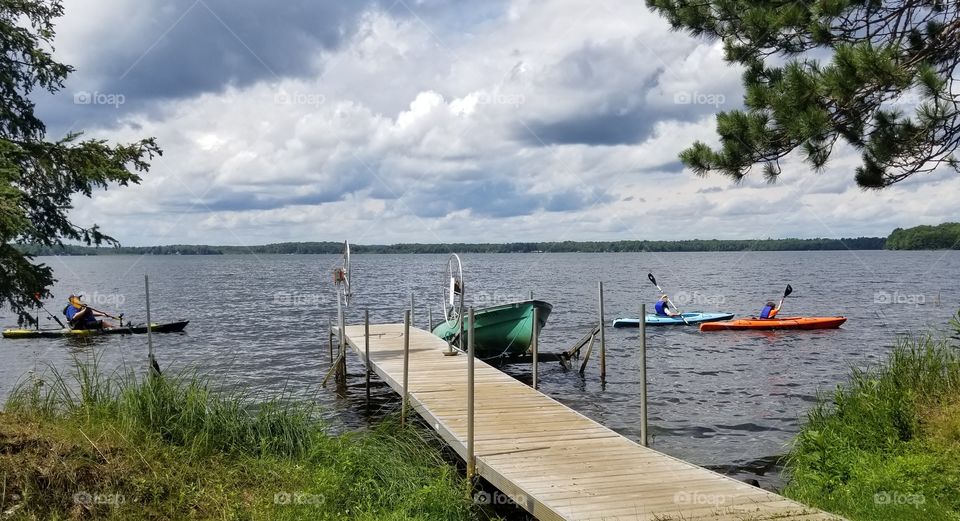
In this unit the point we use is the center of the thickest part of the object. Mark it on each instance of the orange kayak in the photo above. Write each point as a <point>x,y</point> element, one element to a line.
<point>774,323</point>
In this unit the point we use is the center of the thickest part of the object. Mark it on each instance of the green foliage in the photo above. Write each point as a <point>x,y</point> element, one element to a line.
<point>868,451</point>
<point>173,447</point>
<point>38,178</point>
<point>945,236</point>
<point>860,243</point>
<point>828,70</point>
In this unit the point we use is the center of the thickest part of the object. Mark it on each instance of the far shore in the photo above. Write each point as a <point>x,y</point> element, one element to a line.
<point>336,248</point>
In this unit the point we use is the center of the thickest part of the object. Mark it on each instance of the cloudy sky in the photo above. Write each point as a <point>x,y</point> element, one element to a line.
<point>431,121</point>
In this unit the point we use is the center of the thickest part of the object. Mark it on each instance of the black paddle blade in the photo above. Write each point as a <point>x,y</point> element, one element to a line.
<point>788,291</point>
<point>652,279</point>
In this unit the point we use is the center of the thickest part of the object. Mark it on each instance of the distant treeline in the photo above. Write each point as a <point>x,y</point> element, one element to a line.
<point>695,245</point>
<point>945,236</point>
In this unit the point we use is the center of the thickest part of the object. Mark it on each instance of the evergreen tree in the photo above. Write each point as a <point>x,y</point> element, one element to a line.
<point>878,75</point>
<point>945,236</point>
<point>39,177</point>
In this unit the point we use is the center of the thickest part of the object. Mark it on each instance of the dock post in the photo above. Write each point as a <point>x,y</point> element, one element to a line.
<point>643,375</point>
<point>154,368</point>
<point>413,312</point>
<point>534,345</point>
<point>366,351</point>
<point>342,355</point>
<point>603,339</point>
<point>471,459</point>
<point>531,294</point>
<point>330,338</point>
<point>429,319</point>
<point>406,367</point>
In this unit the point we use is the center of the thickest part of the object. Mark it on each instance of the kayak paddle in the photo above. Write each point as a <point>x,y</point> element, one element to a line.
<point>120,318</point>
<point>654,281</point>
<point>108,315</point>
<point>786,293</point>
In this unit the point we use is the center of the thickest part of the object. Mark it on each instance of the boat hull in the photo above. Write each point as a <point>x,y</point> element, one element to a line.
<point>170,327</point>
<point>695,317</point>
<point>501,331</point>
<point>775,323</point>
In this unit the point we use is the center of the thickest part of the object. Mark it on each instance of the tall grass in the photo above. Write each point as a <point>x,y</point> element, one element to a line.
<point>182,410</point>
<point>866,450</point>
<point>171,445</point>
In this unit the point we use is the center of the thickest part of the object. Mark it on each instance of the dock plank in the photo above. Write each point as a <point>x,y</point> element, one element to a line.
<point>551,460</point>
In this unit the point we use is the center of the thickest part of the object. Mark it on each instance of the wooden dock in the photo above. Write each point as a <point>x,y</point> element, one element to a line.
<point>549,459</point>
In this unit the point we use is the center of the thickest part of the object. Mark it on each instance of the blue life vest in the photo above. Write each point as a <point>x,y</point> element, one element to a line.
<point>661,307</point>
<point>765,313</point>
<point>71,311</point>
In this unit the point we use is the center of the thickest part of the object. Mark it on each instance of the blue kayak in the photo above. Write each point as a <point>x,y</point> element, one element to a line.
<point>695,317</point>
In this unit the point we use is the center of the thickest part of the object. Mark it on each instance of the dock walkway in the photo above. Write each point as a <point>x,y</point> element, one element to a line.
<point>549,459</point>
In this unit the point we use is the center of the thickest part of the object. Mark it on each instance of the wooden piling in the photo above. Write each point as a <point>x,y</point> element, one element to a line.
<point>330,338</point>
<point>413,312</point>
<point>603,338</point>
<point>471,458</point>
<point>366,352</point>
<point>341,377</point>
<point>406,367</point>
<point>534,347</point>
<point>643,375</point>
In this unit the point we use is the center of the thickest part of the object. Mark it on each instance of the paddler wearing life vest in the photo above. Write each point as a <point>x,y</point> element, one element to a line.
<point>663,307</point>
<point>770,309</point>
<point>82,316</point>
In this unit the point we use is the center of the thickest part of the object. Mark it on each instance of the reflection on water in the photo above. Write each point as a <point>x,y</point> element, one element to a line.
<point>729,400</point>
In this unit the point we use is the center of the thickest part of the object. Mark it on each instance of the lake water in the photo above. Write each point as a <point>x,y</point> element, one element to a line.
<point>731,401</point>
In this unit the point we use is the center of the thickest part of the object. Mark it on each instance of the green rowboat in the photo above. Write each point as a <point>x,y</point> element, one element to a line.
<point>502,331</point>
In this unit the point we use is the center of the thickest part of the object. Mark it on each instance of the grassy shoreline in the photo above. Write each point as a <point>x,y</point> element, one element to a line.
<point>83,445</point>
<point>887,445</point>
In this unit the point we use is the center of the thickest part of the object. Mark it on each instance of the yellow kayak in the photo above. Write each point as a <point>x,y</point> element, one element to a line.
<point>170,327</point>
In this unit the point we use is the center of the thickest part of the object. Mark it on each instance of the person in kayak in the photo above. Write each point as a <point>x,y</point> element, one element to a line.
<point>770,310</point>
<point>81,316</point>
<point>663,307</point>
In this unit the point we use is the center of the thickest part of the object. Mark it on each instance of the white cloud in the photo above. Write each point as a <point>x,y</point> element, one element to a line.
<point>544,121</point>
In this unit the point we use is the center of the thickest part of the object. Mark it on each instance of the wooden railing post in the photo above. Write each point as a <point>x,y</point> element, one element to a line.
<point>643,375</point>
<point>342,353</point>
<point>366,351</point>
<point>471,459</point>
<point>534,345</point>
<point>603,339</point>
<point>330,338</point>
<point>406,367</point>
